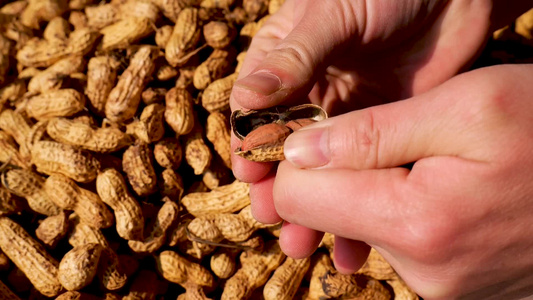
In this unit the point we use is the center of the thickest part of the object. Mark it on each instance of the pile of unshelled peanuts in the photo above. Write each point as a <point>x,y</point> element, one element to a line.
<point>116,175</point>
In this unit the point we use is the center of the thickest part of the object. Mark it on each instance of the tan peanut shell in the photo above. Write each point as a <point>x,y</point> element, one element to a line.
<point>162,35</point>
<point>14,7</point>
<point>52,157</point>
<point>168,153</point>
<point>197,153</point>
<point>101,76</point>
<point>8,203</point>
<point>14,124</point>
<point>112,189</point>
<point>217,65</point>
<point>321,264</point>
<point>216,94</point>
<point>218,34</point>
<point>274,6</point>
<point>153,95</point>
<point>337,285</point>
<point>377,267</point>
<point>218,133</point>
<point>224,199</point>
<point>184,38</point>
<point>145,285</point>
<point>286,279</point>
<point>87,137</point>
<point>140,9</point>
<point>177,269</point>
<point>60,103</point>
<point>179,110</point>
<point>125,97</point>
<point>30,257</point>
<point>52,78</point>
<point>223,262</point>
<point>78,267</point>
<point>166,72</point>
<point>9,152</point>
<point>69,196</point>
<point>166,217</point>
<point>255,8</point>
<point>56,29</point>
<point>78,19</point>
<point>170,184</point>
<point>125,32</point>
<point>217,174</point>
<point>150,126</point>
<point>44,10</point>
<point>224,4</point>
<point>100,16</point>
<point>81,233</point>
<point>255,270</point>
<point>110,273</point>
<point>402,290</point>
<point>53,229</point>
<point>75,295</point>
<point>137,162</point>
<point>12,91</point>
<point>6,46</point>
<point>27,184</point>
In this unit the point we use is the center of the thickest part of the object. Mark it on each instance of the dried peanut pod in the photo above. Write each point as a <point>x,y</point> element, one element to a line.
<point>217,174</point>
<point>170,8</point>
<point>150,126</point>
<point>166,217</point>
<point>82,135</point>
<point>30,257</point>
<point>112,189</point>
<point>14,124</point>
<point>216,95</point>
<point>41,53</point>
<point>125,32</point>
<point>101,76</point>
<point>351,286</point>
<point>19,33</point>
<point>53,229</point>
<point>214,67</point>
<point>321,264</point>
<point>274,6</point>
<point>524,24</point>
<point>224,4</point>
<point>377,267</point>
<point>14,7</point>
<point>44,10</point>
<point>218,133</point>
<point>255,8</point>
<point>140,9</point>
<point>37,132</point>
<point>75,295</point>
<point>109,272</point>
<point>205,229</point>
<point>286,279</point>
<point>218,34</point>
<point>254,272</point>
<point>6,293</point>
<point>27,184</point>
<point>162,35</point>
<point>166,72</point>
<point>28,73</point>
<point>9,152</point>
<point>88,206</point>
<point>79,4</point>
<point>179,111</point>
<point>78,267</point>
<point>224,199</point>
<point>263,132</point>
<point>170,184</point>
<point>168,153</point>
<point>197,153</point>
<point>78,19</point>
<point>223,262</point>
<point>177,269</point>
<point>137,162</point>
<point>5,50</point>
<point>145,286</point>
<point>153,95</point>
<point>60,103</point>
<point>193,292</point>
<point>51,157</point>
<point>185,79</point>
<point>100,16</point>
<point>402,290</point>
<point>81,41</point>
<point>82,233</point>
<point>52,77</point>
<point>12,91</point>
<point>56,29</point>
<point>8,203</point>
<point>185,36</point>
<point>125,97</point>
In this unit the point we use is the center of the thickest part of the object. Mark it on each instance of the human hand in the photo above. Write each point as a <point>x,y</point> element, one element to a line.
<point>458,224</point>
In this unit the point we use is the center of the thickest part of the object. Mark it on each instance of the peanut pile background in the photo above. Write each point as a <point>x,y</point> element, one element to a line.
<point>116,175</point>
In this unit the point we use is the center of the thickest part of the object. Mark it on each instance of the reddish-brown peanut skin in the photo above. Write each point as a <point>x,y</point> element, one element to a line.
<point>266,135</point>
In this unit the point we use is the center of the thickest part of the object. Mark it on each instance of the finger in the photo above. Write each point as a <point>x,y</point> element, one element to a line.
<point>263,208</point>
<point>298,241</point>
<point>439,122</point>
<point>359,205</point>
<point>349,255</point>
<point>288,71</point>
<point>245,170</point>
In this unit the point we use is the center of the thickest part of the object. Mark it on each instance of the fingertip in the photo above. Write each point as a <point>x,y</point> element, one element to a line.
<point>349,255</point>
<point>245,170</point>
<point>297,241</point>
<point>263,208</point>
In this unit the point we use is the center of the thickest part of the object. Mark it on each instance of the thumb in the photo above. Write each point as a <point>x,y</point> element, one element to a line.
<point>439,122</point>
<point>285,73</point>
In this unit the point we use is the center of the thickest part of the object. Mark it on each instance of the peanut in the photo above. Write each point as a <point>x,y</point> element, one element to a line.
<point>81,233</point>
<point>217,65</point>
<point>197,153</point>
<point>52,78</point>
<point>223,263</point>
<point>218,34</point>
<point>336,285</point>
<point>101,76</point>
<point>168,153</point>
<point>175,268</point>
<point>217,132</point>
<point>184,38</point>
<point>60,103</point>
<point>216,94</point>
<point>78,267</point>
<point>52,229</point>
<point>179,110</point>
<point>137,162</point>
<point>150,126</point>
<point>125,32</point>
<point>170,184</point>
<point>9,152</point>
<point>286,279</point>
<point>224,199</point>
<point>14,124</point>
<point>56,29</point>
<point>51,157</point>
<point>30,257</point>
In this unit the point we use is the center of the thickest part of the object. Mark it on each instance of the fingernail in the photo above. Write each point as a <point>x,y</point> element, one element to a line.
<point>308,148</point>
<point>261,82</point>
